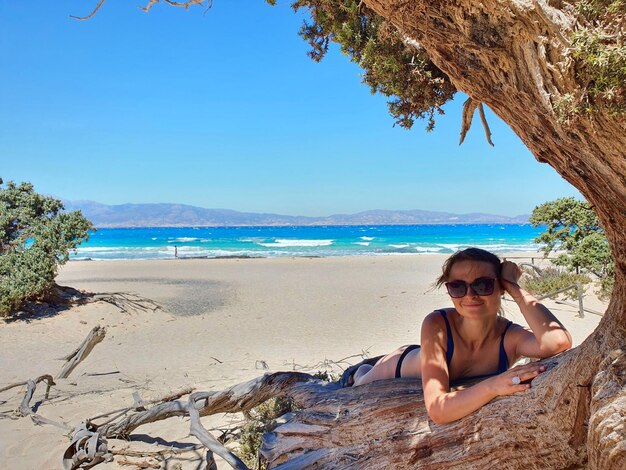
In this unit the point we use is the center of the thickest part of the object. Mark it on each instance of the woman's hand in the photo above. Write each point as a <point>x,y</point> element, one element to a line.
<point>507,383</point>
<point>510,272</point>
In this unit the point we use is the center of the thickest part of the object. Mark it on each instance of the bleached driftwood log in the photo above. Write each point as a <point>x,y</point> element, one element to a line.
<point>241,397</point>
<point>24,408</point>
<point>79,354</point>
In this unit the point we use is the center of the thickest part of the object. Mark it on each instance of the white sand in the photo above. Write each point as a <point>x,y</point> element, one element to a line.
<point>222,321</point>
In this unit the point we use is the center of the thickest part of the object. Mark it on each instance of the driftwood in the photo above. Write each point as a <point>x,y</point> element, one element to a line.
<point>138,463</point>
<point>384,424</point>
<point>208,441</point>
<point>24,409</point>
<point>239,398</point>
<point>48,378</point>
<point>76,357</point>
<point>88,448</point>
<point>73,359</point>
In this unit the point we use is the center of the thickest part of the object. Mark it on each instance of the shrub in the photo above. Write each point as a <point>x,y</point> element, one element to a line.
<point>260,420</point>
<point>36,237</point>
<point>553,279</point>
<point>264,418</point>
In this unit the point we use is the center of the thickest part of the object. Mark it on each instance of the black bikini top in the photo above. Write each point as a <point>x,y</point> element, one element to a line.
<point>503,364</point>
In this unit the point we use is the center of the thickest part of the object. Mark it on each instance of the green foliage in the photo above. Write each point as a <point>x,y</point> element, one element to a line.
<point>260,420</point>
<point>326,375</point>
<point>35,237</point>
<point>593,9</point>
<point>574,228</point>
<point>263,419</point>
<point>606,287</point>
<point>552,280</point>
<point>403,72</point>
<point>598,46</point>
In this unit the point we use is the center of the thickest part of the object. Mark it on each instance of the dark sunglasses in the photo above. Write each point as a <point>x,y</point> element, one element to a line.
<point>482,286</point>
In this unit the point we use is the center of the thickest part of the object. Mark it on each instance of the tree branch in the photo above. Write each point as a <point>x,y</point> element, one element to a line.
<point>207,440</point>
<point>93,12</point>
<point>148,7</point>
<point>241,397</point>
<point>185,5</point>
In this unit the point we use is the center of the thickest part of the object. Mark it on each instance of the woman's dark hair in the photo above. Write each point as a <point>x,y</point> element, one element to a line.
<point>469,254</point>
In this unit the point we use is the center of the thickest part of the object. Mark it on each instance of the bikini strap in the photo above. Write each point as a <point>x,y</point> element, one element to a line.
<point>503,364</point>
<point>450,350</point>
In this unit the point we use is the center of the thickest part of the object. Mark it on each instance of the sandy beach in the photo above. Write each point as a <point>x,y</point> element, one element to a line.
<point>221,322</point>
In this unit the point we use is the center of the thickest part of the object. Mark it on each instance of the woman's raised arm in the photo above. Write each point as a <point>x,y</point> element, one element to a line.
<point>549,336</point>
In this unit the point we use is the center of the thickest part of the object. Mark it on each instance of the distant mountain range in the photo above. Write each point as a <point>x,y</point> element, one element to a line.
<point>181,215</point>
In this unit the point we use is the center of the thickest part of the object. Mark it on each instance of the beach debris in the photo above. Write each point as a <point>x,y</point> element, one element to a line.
<point>207,439</point>
<point>25,409</point>
<point>238,398</point>
<point>73,359</point>
<point>79,354</point>
<point>139,463</point>
<point>88,448</point>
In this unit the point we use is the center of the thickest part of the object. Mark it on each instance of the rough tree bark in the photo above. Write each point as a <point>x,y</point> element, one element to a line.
<point>512,55</point>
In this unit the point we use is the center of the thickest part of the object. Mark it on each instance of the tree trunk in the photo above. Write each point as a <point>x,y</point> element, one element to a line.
<point>513,56</point>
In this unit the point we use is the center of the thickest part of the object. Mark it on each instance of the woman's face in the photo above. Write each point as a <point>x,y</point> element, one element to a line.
<point>472,305</point>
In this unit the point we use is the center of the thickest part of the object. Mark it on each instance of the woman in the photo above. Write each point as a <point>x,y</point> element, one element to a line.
<point>472,341</point>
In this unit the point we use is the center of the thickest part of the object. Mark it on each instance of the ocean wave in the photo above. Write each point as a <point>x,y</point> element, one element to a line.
<point>283,243</point>
<point>362,243</point>
<point>509,247</point>
<point>493,247</point>
<point>404,245</point>
<point>185,239</point>
<point>367,238</point>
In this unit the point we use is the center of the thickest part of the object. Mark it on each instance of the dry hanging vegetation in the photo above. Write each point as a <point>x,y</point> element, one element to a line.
<point>555,72</point>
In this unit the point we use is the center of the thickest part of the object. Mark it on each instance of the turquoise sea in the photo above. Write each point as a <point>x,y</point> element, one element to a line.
<point>323,241</point>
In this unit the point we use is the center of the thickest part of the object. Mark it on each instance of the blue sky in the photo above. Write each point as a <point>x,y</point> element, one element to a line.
<point>223,109</point>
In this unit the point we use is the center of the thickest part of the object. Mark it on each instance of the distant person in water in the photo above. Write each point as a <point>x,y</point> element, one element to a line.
<point>470,340</point>
<point>175,251</point>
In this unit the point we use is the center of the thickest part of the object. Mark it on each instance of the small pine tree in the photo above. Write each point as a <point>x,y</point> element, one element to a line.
<point>574,229</point>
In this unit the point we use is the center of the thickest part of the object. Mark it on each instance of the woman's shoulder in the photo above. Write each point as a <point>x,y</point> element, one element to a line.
<point>435,320</point>
<point>512,328</point>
